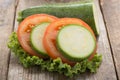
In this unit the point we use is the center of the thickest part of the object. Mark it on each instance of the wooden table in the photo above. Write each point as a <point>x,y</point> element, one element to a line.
<point>108,43</point>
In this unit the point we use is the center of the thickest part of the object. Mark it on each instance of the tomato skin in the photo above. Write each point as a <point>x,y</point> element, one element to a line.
<point>25,27</point>
<point>49,39</point>
<point>92,55</point>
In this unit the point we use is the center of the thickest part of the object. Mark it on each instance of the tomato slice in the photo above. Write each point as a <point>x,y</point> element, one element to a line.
<point>49,40</point>
<point>25,27</point>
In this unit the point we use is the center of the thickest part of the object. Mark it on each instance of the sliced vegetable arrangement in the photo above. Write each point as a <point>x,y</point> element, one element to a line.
<point>65,45</point>
<point>52,65</point>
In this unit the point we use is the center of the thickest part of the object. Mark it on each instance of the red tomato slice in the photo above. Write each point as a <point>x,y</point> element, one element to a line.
<point>49,39</point>
<point>25,27</point>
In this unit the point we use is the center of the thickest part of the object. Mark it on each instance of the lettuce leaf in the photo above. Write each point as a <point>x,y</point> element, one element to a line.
<point>51,65</point>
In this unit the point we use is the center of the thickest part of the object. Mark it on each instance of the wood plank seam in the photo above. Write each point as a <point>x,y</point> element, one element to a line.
<point>8,64</point>
<point>109,40</point>
<point>16,5</point>
<point>7,8</point>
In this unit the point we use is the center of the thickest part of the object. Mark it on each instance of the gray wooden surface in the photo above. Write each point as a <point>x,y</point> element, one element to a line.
<point>7,13</point>
<point>108,43</point>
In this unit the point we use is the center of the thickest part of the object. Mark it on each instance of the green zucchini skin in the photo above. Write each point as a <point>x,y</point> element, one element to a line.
<point>82,10</point>
<point>74,47</point>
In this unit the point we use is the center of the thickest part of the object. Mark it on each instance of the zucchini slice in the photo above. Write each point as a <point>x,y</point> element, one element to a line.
<point>36,37</point>
<point>75,42</point>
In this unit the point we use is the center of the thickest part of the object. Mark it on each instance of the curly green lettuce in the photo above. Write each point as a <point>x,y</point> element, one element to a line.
<point>51,65</point>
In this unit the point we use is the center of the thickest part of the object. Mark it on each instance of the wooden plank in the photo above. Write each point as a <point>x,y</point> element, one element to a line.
<point>7,9</point>
<point>111,11</point>
<point>105,72</point>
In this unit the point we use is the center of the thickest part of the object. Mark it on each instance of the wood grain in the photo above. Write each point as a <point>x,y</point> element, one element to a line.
<point>7,9</point>
<point>112,20</point>
<point>105,72</point>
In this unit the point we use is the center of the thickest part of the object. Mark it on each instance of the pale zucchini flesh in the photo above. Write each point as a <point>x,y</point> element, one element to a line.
<point>36,38</point>
<point>75,42</point>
